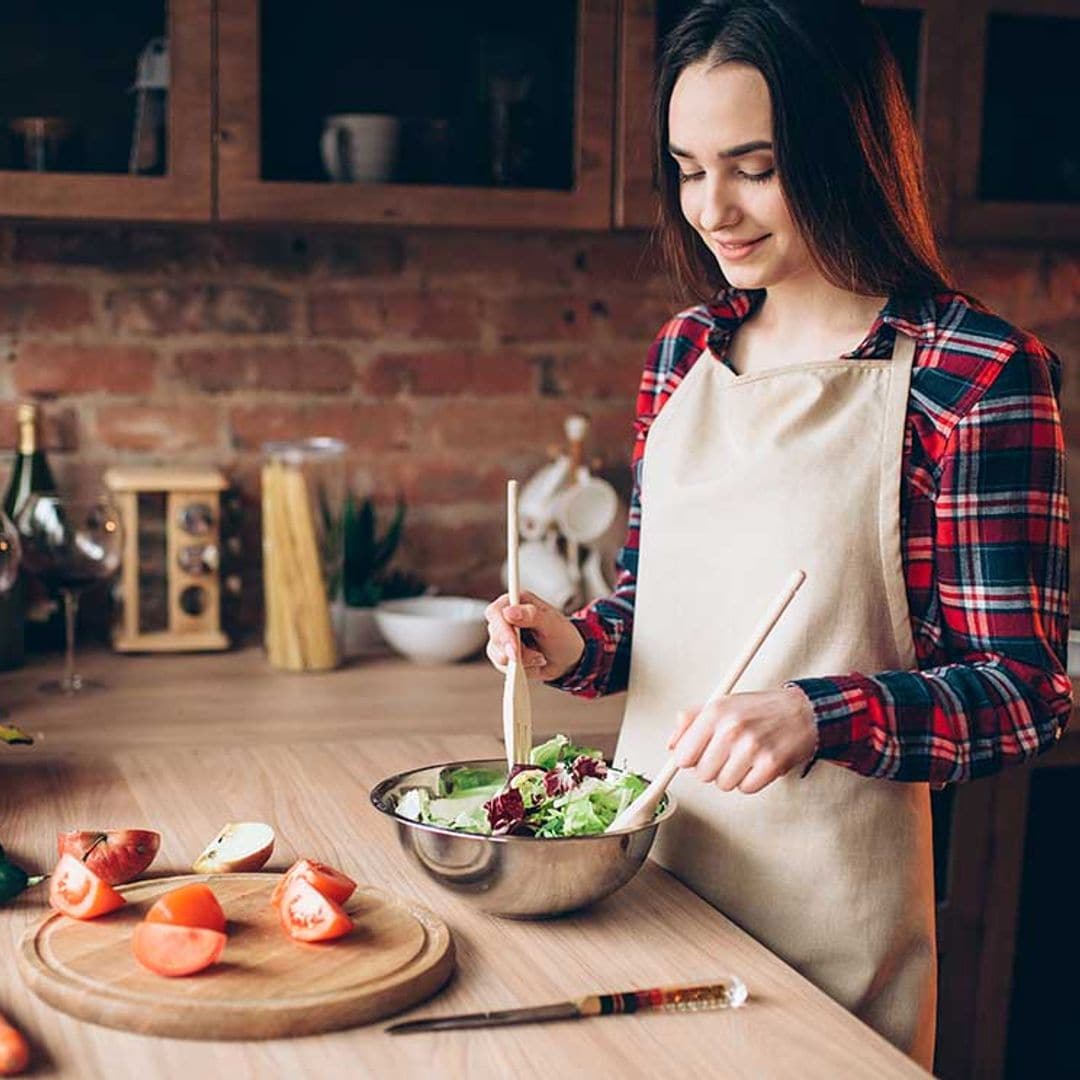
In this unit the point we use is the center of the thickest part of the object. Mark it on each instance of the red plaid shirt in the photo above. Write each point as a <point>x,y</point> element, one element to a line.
<point>985,536</point>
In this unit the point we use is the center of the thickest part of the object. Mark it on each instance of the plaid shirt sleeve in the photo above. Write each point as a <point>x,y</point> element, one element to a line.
<point>994,689</point>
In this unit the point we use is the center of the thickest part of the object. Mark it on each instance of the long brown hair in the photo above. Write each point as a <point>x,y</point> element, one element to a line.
<point>846,149</point>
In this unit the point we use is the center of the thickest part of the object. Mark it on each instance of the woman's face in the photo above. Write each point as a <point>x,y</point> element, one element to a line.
<point>720,135</point>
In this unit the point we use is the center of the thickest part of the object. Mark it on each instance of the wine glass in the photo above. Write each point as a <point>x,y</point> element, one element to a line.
<point>10,553</point>
<point>70,543</point>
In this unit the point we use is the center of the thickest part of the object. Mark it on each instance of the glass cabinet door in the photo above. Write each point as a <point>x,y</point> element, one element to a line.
<point>473,113</point>
<point>106,113</point>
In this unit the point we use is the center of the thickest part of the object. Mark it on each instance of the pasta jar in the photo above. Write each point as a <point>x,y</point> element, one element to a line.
<point>303,508</point>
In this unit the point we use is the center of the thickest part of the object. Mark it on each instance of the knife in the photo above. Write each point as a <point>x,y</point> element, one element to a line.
<point>728,992</point>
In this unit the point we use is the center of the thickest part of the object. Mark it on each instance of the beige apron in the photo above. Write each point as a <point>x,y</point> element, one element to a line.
<point>746,478</point>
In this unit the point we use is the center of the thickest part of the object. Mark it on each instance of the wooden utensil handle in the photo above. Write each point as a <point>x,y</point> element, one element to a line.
<point>512,577</point>
<point>761,632</point>
<point>644,806</point>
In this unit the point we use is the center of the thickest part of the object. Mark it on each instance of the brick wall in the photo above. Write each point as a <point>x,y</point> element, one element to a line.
<point>447,360</point>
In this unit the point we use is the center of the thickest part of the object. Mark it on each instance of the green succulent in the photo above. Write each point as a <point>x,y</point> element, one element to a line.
<point>367,555</point>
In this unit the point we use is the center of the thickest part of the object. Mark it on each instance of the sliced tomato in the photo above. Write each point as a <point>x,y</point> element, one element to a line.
<point>190,905</point>
<point>77,891</point>
<point>333,884</point>
<point>176,950</point>
<point>307,915</point>
<point>14,1050</point>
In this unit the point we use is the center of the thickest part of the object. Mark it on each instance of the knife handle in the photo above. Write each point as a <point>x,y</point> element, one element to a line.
<point>727,993</point>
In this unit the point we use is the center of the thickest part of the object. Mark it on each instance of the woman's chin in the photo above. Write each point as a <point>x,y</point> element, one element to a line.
<point>745,277</point>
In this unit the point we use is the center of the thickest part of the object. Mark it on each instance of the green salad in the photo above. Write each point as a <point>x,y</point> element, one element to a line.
<point>566,790</point>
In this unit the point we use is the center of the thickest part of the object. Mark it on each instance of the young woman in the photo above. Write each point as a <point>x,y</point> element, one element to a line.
<point>833,405</point>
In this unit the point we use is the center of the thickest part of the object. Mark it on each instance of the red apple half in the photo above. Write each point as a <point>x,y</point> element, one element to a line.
<point>115,855</point>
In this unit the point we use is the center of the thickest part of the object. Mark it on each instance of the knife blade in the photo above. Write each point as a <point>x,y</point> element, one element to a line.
<point>532,1014</point>
<point>727,992</point>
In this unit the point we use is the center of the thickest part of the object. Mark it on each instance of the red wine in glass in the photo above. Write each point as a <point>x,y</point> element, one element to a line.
<point>71,544</point>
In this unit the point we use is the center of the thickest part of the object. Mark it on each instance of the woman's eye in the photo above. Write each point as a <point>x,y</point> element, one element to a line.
<point>685,178</point>
<point>758,178</point>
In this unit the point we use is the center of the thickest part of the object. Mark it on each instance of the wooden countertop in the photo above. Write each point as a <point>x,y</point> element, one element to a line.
<point>185,743</point>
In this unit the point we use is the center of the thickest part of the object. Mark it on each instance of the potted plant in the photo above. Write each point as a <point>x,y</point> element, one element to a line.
<point>366,577</point>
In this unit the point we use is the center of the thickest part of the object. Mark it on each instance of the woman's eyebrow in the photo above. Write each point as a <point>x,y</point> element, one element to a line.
<point>732,152</point>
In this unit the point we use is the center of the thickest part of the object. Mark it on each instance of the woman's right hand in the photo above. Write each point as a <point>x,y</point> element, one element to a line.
<point>556,645</point>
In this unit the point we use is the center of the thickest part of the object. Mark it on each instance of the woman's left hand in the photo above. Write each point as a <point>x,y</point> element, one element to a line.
<point>746,741</point>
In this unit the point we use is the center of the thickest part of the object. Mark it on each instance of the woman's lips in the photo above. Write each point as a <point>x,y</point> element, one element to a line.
<point>732,250</point>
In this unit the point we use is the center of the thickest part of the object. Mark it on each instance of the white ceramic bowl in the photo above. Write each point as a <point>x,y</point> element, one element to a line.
<point>433,629</point>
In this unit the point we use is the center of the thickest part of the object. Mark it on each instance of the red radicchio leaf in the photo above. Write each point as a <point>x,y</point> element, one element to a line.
<point>558,781</point>
<point>505,811</point>
<point>588,766</point>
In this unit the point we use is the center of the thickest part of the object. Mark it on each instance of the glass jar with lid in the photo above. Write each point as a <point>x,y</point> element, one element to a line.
<point>303,505</point>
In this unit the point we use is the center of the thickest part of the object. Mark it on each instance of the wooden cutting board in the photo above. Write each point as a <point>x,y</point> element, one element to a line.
<point>265,986</point>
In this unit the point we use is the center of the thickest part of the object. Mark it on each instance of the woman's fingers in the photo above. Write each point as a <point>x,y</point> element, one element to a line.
<point>682,722</point>
<point>500,633</point>
<point>735,769</point>
<point>694,740</point>
<point>505,621</point>
<point>496,656</point>
<point>763,773</point>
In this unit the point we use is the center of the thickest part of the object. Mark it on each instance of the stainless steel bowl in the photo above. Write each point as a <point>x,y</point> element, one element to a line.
<point>517,877</point>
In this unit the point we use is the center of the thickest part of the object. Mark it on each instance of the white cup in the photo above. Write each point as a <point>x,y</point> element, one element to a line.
<point>360,147</point>
<point>543,571</point>
<point>585,510</point>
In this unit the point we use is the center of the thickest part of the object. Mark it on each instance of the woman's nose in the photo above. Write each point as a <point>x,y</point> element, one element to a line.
<point>718,209</point>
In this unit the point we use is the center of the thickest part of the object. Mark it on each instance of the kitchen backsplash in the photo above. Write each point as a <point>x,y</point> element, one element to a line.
<point>446,359</point>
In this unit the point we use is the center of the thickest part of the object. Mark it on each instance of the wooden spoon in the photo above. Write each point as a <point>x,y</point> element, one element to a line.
<point>641,810</point>
<point>517,708</point>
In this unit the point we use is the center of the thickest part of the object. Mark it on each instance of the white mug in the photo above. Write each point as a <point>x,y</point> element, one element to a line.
<point>585,510</point>
<point>543,571</point>
<point>360,146</point>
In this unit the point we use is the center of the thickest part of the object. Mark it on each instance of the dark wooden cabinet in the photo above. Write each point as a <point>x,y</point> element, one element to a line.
<point>502,119</point>
<point>68,69</point>
<point>445,76</point>
<point>1016,140</point>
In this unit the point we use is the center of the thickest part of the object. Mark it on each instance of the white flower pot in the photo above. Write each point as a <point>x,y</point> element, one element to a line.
<point>360,635</point>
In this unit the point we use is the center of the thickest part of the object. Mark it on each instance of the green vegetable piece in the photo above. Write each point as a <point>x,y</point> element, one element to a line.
<point>455,781</point>
<point>548,754</point>
<point>14,879</point>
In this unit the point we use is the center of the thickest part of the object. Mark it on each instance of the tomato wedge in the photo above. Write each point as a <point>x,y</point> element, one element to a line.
<point>76,890</point>
<point>333,884</point>
<point>176,950</point>
<point>307,915</point>
<point>190,905</point>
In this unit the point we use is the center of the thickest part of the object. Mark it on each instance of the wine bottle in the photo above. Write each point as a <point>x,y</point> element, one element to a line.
<point>30,474</point>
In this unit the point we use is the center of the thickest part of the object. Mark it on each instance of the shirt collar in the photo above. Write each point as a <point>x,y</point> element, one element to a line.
<point>915,316</point>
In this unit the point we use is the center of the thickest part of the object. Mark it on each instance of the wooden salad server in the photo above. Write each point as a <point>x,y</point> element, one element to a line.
<point>516,706</point>
<point>641,810</point>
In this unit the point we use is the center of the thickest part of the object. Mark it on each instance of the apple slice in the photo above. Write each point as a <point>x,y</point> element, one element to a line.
<point>115,855</point>
<point>240,845</point>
